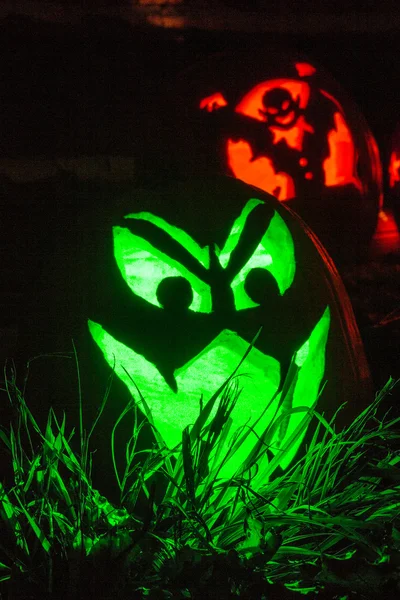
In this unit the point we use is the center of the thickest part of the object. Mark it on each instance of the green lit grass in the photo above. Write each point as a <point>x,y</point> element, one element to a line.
<point>328,526</point>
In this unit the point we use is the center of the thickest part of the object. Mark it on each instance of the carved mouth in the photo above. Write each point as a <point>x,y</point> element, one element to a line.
<point>259,380</point>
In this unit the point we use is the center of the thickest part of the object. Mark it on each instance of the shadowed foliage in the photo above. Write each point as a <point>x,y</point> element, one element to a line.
<point>328,526</point>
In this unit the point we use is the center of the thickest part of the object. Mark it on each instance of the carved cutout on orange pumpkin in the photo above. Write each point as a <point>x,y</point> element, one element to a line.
<point>394,169</point>
<point>213,102</point>
<point>339,167</point>
<point>282,105</point>
<point>304,69</point>
<point>260,102</point>
<point>259,172</point>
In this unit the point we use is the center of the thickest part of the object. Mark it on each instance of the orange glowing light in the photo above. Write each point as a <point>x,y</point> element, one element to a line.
<point>394,169</point>
<point>251,104</point>
<point>293,137</point>
<point>387,235</point>
<point>339,167</point>
<point>167,21</point>
<point>259,172</point>
<point>305,69</point>
<point>252,101</point>
<point>213,102</point>
<point>289,124</point>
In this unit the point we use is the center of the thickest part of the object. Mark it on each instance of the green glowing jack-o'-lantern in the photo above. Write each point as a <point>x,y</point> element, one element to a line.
<point>198,268</point>
<point>279,122</point>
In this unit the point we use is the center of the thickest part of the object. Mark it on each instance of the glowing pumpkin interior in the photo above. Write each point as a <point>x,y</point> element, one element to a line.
<point>145,268</point>
<point>295,137</point>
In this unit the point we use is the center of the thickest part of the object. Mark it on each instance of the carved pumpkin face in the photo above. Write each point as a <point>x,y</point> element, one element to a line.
<point>295,150</point>
<point>281,124</point>
<point>198,268</point>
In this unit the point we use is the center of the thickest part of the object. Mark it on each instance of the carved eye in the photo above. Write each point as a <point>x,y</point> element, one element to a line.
<point>156,277</point>
<point>275,256</point>
<point>159,277</point>
<point>261,286</point>
<point>175,294</point>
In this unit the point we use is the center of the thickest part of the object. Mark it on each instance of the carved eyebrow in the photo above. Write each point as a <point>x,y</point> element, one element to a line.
<point>236,231</point>
<point>171,241</point>
<point>177,234</point>
<point>275,253</point>
<point>245,236</point>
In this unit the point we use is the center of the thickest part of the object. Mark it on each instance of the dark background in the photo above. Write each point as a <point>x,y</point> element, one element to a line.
<point>75,76</point>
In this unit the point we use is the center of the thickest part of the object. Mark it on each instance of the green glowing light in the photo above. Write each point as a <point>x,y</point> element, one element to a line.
<point>204,374</point>
<point>143,267</point>
<point>301,355</point>
<point>201,254</point>
<point>275,253</point>
<point>310,359</point>
<point>236,231</point>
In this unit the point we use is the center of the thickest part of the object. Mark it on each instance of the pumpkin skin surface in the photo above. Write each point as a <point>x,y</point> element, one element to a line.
<point>278,121</point>
<point>196,269</point>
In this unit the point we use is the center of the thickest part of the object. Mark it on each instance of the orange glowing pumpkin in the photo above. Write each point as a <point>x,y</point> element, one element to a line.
<point>281,104</point>
<point>277,121</point>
